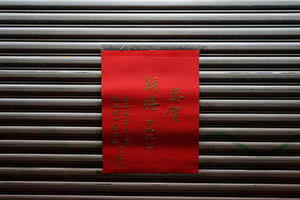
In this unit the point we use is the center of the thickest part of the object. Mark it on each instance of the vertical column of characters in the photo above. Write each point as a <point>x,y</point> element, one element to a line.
<point>175,99</point>
<point>150,104</point>
<point>126,107</point>
<point>117,139</point>
<point>115,136</point>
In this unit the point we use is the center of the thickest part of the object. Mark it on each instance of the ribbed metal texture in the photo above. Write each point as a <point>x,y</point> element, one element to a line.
<point>50,97</point>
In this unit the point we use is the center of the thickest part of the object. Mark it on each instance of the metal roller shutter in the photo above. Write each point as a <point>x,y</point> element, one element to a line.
<point>50,101</point>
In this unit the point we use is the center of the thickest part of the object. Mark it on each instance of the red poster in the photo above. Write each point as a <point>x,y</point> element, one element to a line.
<point>150,111</point>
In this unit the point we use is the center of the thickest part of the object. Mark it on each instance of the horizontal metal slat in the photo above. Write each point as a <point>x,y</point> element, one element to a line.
<point>94,105</point>
<point>64,61</point>
<point>256,120</point>
<point>239,105</point>
<point>54,90</point>
<point>205,47</point>
<point>144,4</point>
<point>111,197</point>
<point>205,148</point>
<point>54,75</point>
<point>163,33</point>
<point>247,91</point>
<point>205,161</point>
<point>142,188</point>
<point>249,61</point>
<point>205,90</point>
<point>95,61</point>
<point>149,18</point>
<point>95,174</point>
<point>249,134</point>
<point>50,160</point>
<point>57,104</point>
<point>95,76</point>
<point>46,146</point>
<point>249,148</point>
<point>95,133</point>
<point>48,118</point>
<point>50,132</point>
<point>248,162</point>
<point>94,119</point>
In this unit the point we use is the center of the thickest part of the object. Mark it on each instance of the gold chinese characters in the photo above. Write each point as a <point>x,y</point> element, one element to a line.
<point>175,98</point>
<point>150,103</point>
<point>116,138</point>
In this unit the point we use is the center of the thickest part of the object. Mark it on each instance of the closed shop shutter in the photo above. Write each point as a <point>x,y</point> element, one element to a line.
<point>50,100</point>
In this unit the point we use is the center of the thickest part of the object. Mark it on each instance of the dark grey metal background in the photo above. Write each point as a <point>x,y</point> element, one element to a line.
<point>50,96</point>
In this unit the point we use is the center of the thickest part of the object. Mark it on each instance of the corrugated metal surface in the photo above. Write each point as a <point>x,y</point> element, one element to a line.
<point>50,96</point>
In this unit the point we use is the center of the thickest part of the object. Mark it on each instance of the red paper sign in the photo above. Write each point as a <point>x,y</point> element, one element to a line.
<point>150,111</point>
